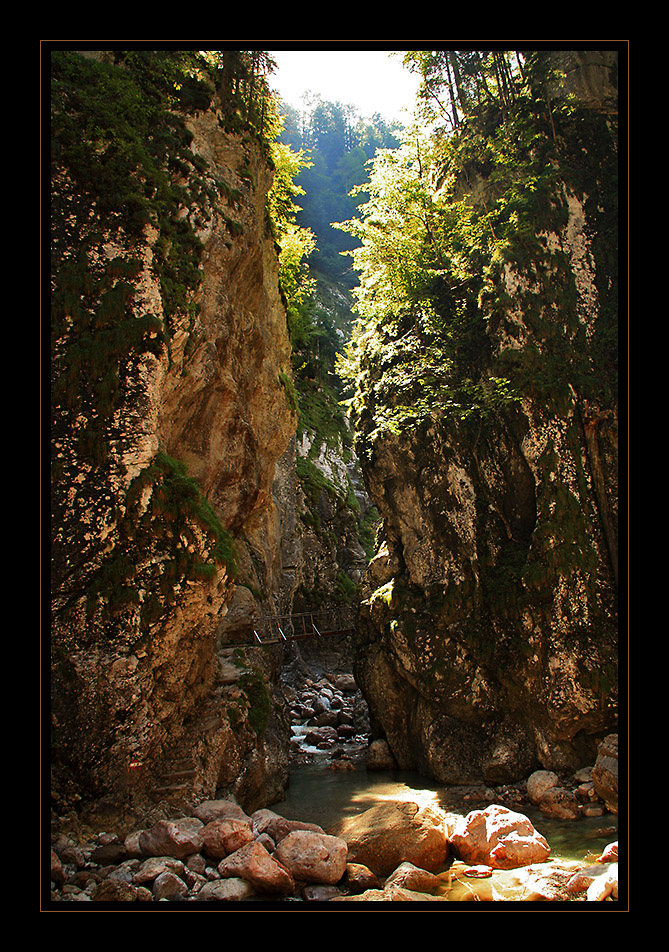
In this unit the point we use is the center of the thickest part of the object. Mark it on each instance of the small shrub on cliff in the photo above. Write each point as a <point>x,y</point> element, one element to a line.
<point>255,689</point>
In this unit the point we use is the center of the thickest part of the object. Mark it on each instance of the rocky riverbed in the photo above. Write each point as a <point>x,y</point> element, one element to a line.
<point>393,852</point>
<point>396,851</point>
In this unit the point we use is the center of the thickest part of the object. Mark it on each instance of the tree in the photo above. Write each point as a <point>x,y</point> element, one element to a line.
<point>295,243</point>
<point>244,89</point>
<point>456,83</point>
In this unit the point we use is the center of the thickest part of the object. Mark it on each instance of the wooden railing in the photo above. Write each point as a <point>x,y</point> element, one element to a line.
<point>273,629</point>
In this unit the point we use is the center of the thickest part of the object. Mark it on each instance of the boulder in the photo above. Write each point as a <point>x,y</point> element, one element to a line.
<point>254,864</point>
<point>318,893</point>
<point>359,878</point>
<point>538,783</point>
<point>561,803</point>
<point>313,857</point>
<point>110,890</point>
<point>280,827</point>
<point>498,837</point>
<point>345,682</point>
<point>154,866</point>
<point>225,890</point>
<point>165,838</point>
<point>605,772</point>
<point>380,756</point>
<point>225,835</point>
<point>57,872</point>
<point>169,886</point>
<point>408,876</point>
<point>109,854</point>
<point>604,886</point>
<point>210,810</point>
<point>277,826</point>
<point>609,853</point>
<point>390,894</point>
<point>394,832</point>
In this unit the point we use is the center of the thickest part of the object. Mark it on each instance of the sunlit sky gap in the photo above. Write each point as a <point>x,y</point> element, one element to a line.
<point>373,81</point>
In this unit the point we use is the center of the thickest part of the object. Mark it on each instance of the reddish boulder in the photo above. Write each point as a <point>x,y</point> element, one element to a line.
<point>395,832</point>
<point>165,838</point>
<point>313,857</point>
<point>225,835</point>
<point>499,838</point>
<point>254,865</point>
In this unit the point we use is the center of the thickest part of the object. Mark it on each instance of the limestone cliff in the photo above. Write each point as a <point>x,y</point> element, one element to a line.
<point>487,639</point>
<point>170,356</point>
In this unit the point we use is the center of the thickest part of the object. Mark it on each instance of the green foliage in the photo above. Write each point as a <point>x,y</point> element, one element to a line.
<point>446,216</point>
<point>177,496</point>
<point>169,530</point>
<point>242,80</point>
<point>255,689</point>
<point>95,330</point>
<point>346,588</point>
<point>339,145</point>
<point>289,387</point>
<point>121,159</point>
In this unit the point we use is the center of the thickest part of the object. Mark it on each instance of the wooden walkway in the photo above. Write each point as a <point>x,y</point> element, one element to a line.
<point>274,629</point>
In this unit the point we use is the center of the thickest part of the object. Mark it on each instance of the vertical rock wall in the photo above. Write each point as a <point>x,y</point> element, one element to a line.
<point>146,503</point>
<point>487,637</point>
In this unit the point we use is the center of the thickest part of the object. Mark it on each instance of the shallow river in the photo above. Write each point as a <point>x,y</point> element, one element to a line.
<point>320,795</point>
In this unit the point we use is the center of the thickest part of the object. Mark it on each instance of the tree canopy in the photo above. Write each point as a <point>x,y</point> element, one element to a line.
<point>339,144</point>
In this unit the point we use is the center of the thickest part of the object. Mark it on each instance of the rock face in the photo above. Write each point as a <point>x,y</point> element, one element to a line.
<point>487,637</point>
<point>154,490</point>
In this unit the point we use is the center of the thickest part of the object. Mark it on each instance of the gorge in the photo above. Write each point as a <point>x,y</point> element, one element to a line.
<point>230,445</point>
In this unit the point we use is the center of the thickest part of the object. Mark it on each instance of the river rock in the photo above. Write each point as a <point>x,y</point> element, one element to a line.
<point>604,886</point>
<point>359,878</point>
<point>390,894</point>
<point>110,890</point>
<point>561,803</point>
<point>609,853</point>
<point>380,757</point>
<point>411,877</point>
<point>605,772</point>
<point>57,871</point>
<point>320,893</point>
<point>538,783</point>
<point>498,837</point>
<point>313,857</point>
<point>225,890</point>
<point>321,736</point>
<point>151,868</point>
<point>169,886</point>
<point>256,866</point>
<point>109,854</point>
<point>225,835</point>
<point>277,826</point>
<point>345,682</point>
<point>166,838</point>
<point>210,810</point>
<point>280,827</point>
<point>394,832</point>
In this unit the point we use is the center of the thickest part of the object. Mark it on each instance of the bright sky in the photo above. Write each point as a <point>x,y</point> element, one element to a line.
<point>371,80</point>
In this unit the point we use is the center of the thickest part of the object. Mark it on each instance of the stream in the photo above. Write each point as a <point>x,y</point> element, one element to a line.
<point>329,782</point>
<point>321,795</point>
